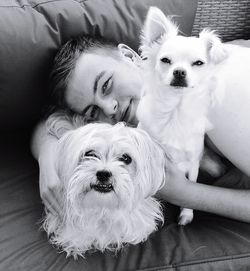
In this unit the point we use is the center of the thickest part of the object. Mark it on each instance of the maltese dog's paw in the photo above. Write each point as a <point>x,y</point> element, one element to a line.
<point>186,216</point>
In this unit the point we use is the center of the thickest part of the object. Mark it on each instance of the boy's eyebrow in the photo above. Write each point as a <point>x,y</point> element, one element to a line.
<point>98,77</point>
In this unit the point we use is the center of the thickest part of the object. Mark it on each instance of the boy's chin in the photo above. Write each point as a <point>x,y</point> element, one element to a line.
<point>104,119</point>
<point>133,122</point>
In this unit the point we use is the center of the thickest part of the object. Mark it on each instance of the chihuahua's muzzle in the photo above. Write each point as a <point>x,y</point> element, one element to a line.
<point>179,78</point>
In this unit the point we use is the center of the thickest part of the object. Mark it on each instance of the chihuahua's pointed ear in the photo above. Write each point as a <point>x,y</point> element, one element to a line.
<point>216,50</point>
<point>129,54</point>
<point>156,25</point>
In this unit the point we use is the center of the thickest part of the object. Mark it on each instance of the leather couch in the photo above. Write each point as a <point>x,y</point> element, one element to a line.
<point>31,32</point>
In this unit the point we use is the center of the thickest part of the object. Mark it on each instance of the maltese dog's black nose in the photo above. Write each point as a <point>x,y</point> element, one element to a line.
<point>103,175</point>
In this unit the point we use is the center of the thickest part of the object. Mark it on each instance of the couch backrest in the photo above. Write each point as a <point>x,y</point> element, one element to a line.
<point>31,32</point>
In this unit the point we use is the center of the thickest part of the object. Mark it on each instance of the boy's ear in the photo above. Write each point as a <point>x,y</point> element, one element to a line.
<point>215,48</point>
<point>129,53</point>
<point>156,25</point>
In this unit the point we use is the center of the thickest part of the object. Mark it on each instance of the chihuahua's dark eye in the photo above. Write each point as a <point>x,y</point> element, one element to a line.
<point>166,60</point>
<point>198,63</point>
<point>90,153</point>
<point>126,159</point>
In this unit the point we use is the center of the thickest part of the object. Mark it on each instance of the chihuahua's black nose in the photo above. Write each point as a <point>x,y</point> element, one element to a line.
<point>103,175</point>
<point>179,74</point>
<point>179,78</point>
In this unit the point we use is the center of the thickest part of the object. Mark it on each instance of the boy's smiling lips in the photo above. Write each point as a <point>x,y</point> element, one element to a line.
<point>126,113</point>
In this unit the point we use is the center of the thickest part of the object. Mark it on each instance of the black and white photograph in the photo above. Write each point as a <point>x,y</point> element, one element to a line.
<point>124,135</point>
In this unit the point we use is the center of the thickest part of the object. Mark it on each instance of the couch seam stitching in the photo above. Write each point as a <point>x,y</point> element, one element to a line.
<point>40,4</point>
<point>180,265</point>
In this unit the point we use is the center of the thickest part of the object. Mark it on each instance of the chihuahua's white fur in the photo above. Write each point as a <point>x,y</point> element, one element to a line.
<point>177,116</point>
<point>105,221</point>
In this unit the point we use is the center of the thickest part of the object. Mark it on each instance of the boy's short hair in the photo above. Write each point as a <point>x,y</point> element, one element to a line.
<point>65,62</point>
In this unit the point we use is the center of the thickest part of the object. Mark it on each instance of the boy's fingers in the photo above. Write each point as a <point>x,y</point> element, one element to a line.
<point>50,207</point>
<point>59,202</point>
<point>53,205</point>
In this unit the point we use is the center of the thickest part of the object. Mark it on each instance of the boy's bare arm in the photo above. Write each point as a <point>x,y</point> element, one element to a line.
<point>231,203</point>
<point>43,148</point>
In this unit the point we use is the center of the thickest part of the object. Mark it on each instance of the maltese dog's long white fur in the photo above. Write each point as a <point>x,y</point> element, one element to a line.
<point>109,176</point>
<point>180,82</point>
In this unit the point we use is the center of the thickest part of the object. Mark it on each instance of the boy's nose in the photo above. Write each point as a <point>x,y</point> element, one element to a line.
<point>110,107</point>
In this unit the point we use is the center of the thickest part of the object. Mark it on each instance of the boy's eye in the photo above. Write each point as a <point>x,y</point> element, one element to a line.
<point>106,88</point>
<point>126,159</point>
<point>198,63</point>
<point>166,60</point>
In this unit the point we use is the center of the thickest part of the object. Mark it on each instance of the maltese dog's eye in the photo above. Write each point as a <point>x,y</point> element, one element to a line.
<point>90,153</point>
<point>198,63</point>
<point>126,159</point>
<point>87,154</point>
<point>166,60</point>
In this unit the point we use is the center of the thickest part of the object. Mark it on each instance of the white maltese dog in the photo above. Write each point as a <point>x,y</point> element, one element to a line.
<point>179,88</point>
<point>109,176</point>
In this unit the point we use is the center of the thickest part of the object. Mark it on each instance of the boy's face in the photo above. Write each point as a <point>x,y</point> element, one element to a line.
<point>105,88</point>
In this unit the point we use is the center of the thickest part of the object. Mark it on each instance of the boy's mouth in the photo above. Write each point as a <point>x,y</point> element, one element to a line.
<point>126,114</point>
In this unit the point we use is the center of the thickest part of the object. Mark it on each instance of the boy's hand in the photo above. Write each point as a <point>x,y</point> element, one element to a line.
<point>50,187</point>
<point>174,185</point>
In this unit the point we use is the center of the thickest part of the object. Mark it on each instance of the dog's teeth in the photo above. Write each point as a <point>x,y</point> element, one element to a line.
<point>102,187</point>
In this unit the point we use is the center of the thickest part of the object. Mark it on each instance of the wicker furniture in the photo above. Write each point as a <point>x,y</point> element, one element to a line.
<point>231,18</point>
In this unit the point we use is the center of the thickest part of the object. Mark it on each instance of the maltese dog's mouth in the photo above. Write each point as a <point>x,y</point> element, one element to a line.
<point>102,187</point>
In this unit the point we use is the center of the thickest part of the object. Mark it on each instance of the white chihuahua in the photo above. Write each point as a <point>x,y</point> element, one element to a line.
<point>179,87</point>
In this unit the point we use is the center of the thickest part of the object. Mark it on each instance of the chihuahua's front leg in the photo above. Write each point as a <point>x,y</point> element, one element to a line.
<point>186,215</point>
